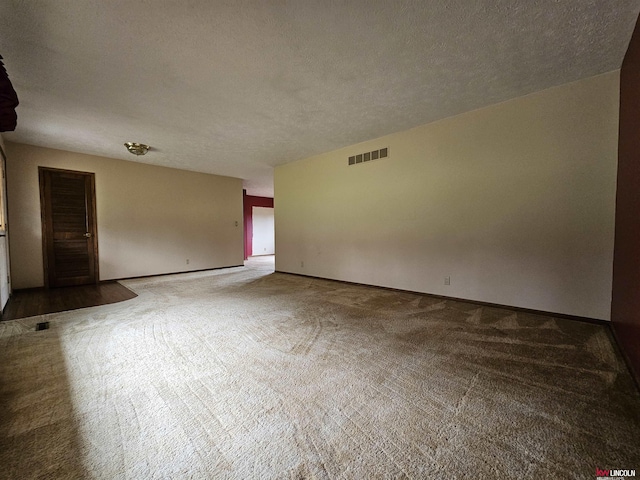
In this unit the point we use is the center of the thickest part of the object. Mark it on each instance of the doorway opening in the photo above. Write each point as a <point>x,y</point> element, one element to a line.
<point>259,232</point>
<point>263,239</point>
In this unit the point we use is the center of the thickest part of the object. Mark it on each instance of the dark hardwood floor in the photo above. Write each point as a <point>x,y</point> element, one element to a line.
<point>38,301</point>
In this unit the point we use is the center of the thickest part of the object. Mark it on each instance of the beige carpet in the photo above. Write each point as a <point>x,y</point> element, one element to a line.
<point>243,373</point>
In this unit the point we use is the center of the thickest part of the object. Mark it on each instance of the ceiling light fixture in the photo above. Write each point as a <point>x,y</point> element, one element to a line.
<point>137,148</point>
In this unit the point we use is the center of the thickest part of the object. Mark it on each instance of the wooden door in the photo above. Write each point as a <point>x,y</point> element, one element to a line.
<point>69,233</point>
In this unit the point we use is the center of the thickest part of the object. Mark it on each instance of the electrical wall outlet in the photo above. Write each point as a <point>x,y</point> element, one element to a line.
<point>187,261</point>
<point>302,264</point>
<point>447,280</point>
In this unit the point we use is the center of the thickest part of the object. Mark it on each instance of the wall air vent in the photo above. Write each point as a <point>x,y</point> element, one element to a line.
<point>368,156</point>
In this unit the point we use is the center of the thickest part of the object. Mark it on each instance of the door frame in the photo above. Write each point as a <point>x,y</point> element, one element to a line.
<point>3,226</point>
<point>91,213</point>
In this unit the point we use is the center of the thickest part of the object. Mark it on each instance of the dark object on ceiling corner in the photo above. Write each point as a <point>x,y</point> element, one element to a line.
<point>8,102</point>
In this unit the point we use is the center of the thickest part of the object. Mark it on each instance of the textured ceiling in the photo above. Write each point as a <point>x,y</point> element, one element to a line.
<point>237,87</point>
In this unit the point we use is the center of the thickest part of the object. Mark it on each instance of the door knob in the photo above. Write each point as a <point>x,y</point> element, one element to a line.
<point>88,235</point>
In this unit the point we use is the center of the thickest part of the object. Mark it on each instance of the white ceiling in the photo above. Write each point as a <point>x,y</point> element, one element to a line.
<point>237,87</point>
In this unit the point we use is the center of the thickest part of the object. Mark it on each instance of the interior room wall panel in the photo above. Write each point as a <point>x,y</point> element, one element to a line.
<point>513,202</point>
<point>151,219</point>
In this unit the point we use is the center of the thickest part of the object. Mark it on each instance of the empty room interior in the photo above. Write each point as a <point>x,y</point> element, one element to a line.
<point>320,239</point>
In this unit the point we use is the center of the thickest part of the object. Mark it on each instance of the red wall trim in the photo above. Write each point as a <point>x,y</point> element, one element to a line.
<point>625,299</point>
<point>250,201</point>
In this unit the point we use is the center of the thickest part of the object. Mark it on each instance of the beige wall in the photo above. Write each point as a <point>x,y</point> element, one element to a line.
<point>515,202</point>
<point>150,219</point>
